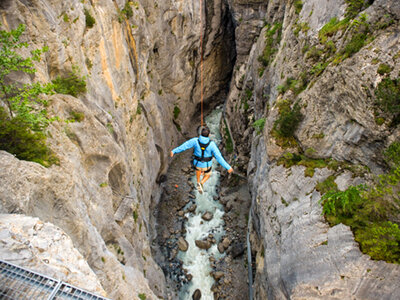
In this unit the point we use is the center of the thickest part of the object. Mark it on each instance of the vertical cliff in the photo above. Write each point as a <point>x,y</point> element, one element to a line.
<point>141,64</point>
<point>303,114</point>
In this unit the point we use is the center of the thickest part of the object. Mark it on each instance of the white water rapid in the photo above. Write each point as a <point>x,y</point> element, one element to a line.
<point>196,260</point>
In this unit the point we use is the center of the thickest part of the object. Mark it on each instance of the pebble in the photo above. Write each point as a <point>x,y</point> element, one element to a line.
<point>207,216</point>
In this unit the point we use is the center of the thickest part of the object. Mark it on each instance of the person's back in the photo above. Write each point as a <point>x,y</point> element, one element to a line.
<point>204,151</point>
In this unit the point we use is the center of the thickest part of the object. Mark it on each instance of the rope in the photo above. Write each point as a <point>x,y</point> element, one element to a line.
<point>201,61</point>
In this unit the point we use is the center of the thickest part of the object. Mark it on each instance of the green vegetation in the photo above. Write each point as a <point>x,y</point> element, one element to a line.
<point>135,215</point>
<point>327,185</point>
<point>288,120</point>
<point>228,139</point>
<point>331,28</point>
<point>23,114</point>
<point>320,135</point>
<point>303,27</point>
<point>295,85</point>
<point>384,69</point>
<point>127,10</point>
<point>273,37</point>
<point>17,137</point>
<point>139,109</point>
<point>142,296</point>
<point>90,21</point>
<point>89,63</point>
<point>246,98</point>
<point>66,18</point>
<point>292,159</point>
<point>392,155</point>
<point>388,99</point>
<point>72,84</point>
<point>371,210</point>
<point>76,116</point>
<point>259,125</point>
<point>355,6</point>
<point>103,184</point>
<point>177,111</point>
<point>298,5</point>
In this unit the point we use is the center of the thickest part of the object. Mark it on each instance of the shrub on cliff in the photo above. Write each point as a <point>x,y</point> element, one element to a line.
<point>371,212</point>
<point>388,98</point>
<point>288,120</point>
<point>23,112</point>
<point>72,84</point>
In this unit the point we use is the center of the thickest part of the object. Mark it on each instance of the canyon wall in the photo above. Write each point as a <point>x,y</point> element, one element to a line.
<point>297,254</point>
<point>141,64</point>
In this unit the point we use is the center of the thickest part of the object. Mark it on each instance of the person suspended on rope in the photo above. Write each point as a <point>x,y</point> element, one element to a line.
<point>204,150</point>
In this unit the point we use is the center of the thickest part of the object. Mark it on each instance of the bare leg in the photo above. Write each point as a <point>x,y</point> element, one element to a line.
<point>198,173</point>
<point>205,178</point>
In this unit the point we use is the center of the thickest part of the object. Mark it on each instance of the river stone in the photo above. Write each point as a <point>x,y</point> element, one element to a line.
<point>221,248</point>
<point>203,244</point>
<point>217,275</point>
<point>181,213</point>
<point>226,242</point>
<point>237,249</point>
<point>192,208</point>
<point>207,216</point>
<point>196,295</point>
<point>189,277</point>
<point>183,244</point>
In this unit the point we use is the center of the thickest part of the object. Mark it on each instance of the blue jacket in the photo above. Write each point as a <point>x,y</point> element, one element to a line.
<point>211,150</point>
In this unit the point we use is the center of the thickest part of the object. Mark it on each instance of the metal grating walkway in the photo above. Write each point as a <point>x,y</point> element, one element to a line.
<point>19,283</point>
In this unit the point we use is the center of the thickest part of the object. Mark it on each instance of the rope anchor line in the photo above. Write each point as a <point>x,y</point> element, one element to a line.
<point>201,61</point>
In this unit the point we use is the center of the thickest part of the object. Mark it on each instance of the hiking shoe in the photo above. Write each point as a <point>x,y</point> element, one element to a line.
<point>200,188</point>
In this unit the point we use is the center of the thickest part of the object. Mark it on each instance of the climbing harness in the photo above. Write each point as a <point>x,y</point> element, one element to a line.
<point>203,148</point>
<point>198,159</point>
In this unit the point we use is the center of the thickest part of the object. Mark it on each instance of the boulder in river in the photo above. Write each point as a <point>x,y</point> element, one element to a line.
<point>217,275</point>
<point>196,295</point>
<point>203,244</point>
<point>207,216</point>
<point>182,244</point>
<point>221,248</point>
<point>192,208</point>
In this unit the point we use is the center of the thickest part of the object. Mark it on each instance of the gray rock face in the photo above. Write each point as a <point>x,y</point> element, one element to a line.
<point>138,70</point>
<point>298,255</point>
<point>44,248</point>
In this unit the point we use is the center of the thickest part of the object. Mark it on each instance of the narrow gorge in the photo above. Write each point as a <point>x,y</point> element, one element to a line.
<point>303,97</point>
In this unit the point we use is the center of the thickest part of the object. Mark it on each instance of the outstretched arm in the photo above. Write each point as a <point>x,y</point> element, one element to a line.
<point>218,156</point>
<point>185,146</point>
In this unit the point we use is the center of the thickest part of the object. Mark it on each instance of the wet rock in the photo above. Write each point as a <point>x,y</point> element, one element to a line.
<point>221,248</point>
<point>203,244</point>
<point>183,244</point>
<point>228,206</point>
<point>217,275</point>
<point>237,250</point>
<point>192,208</point>
<point>214,287</point>
<point>189,277</point>
<point>207,216</point>
<point>226,242</point>
<point>196,295</point>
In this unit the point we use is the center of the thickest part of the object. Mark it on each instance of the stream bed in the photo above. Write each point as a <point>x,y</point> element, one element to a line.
<point>219,272</point>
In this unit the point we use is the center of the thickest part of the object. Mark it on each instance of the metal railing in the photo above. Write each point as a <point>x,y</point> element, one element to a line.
<point>19,283</point>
